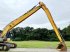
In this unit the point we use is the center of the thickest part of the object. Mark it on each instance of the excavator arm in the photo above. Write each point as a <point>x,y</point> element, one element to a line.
<point>29,13</point>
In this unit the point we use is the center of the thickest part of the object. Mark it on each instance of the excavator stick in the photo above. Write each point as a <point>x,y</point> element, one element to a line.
<point>62,45</point>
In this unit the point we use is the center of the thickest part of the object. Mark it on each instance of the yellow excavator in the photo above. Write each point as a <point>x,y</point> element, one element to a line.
<point>6,45</point>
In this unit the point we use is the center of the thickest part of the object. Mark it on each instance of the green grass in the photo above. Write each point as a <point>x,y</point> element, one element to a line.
<point>38,44</point>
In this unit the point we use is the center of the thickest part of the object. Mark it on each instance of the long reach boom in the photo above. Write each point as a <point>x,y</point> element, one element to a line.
<point>29,13</point>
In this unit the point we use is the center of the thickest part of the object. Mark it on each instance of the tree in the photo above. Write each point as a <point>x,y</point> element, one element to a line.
<point>29,33</point>
<point>66,33</point>
<point>68,30</point>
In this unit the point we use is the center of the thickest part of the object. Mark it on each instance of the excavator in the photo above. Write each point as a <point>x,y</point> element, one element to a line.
<point>5,46</point>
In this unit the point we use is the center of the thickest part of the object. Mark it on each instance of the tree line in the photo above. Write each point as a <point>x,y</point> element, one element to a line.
<point>29,33</point>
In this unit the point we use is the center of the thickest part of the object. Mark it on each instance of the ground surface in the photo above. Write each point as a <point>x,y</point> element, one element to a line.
<point>34,50</point>
<point>39,44</point>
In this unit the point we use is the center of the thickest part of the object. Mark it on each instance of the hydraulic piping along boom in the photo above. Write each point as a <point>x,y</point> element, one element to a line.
<point>29,13</point>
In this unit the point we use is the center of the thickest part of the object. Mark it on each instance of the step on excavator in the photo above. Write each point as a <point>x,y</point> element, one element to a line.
<point>5,46</point>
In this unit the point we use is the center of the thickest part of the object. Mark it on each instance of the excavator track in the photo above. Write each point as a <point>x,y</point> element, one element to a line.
<point>4,47</point>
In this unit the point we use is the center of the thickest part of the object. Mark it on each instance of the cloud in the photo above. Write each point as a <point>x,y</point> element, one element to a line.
<point>12,9</point>
<point>59,24</point>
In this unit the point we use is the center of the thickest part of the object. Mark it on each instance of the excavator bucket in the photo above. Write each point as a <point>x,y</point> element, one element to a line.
<point>62,47</point>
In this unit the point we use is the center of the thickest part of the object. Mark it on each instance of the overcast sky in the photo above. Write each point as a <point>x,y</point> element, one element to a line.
<point>12,9</point>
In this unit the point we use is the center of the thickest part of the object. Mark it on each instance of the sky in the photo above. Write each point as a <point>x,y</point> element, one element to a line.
<point>12,9</point>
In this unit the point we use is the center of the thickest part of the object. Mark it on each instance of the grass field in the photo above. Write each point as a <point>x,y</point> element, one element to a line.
<point>38,44</point>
